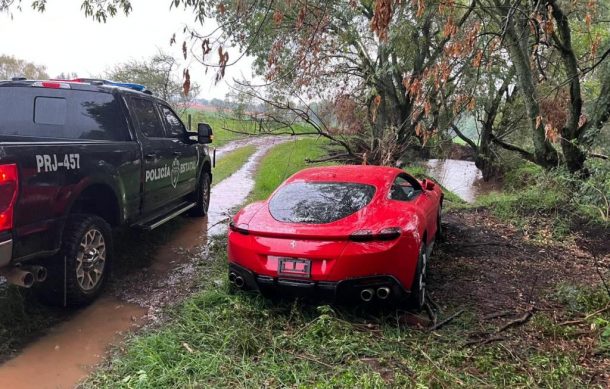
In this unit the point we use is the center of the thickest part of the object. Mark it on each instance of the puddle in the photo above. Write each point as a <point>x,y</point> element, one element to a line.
<point>233,191</point>
<point>461,177</point>
<point>68,352</point>
<point>65,355</point>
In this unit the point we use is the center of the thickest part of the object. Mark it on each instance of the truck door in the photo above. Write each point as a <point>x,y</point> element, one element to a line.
<point>185,152</point>
<point>158,155</point>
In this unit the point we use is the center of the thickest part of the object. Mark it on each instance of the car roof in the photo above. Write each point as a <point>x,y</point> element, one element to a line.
<point>364,174</point>
<point>90,86</point>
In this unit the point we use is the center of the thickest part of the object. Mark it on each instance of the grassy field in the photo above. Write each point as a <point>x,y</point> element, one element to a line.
<point>231,162</point>
<point>227,128</point>
<point>221,339</point>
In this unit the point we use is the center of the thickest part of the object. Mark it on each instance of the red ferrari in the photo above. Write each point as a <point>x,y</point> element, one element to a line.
<point>360,232</point>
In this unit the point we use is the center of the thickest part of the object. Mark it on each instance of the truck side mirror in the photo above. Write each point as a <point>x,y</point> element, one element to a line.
<point>204,133</point>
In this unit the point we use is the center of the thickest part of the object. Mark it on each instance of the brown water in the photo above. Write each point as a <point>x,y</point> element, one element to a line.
<point>68,352</point>
<point>461,177</point>
<point>65,355</point>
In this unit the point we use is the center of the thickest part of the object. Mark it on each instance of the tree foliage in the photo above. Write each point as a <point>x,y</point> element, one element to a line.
<point>159,74</point>
<point>13,67</point>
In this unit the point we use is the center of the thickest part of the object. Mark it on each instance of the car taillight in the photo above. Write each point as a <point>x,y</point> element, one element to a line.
<point>390,233</point>
<point>9,180</point>
<point>240,228</point>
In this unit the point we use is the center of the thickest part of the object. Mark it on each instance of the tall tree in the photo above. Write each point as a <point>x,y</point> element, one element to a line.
<point>14,67</point>
<point>159,74</point>
<point>394,66</point>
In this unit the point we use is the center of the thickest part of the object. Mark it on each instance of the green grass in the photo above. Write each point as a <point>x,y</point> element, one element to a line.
<point>231,162</point>
<point>284,160</point>
<point>532,197</point>
<point>220,339</point>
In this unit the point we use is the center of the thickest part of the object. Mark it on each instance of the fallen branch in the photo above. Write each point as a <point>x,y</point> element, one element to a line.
<point>600,156</point>
<point>518,321</point>
<point>584,319</point>
<point>497,315</point>
<point>431,313</point>
<point>447,320</point>
<point>435,306</point>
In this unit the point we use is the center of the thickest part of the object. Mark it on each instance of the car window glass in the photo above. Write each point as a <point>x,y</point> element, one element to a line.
<point>39,114</point>
<point>402,190</point>
<point>319,202</point>
<point>147,118</point>
<point>174,126</point>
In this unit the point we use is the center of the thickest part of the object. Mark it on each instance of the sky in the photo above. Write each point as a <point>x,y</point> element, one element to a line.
<point>65,41</point>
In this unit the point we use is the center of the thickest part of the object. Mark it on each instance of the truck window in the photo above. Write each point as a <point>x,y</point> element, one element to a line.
<point>147,118</point>
<point>40,114</point>
<point>174,126</point>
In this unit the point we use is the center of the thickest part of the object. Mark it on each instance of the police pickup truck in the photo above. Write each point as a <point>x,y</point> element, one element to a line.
<point>78,158</point>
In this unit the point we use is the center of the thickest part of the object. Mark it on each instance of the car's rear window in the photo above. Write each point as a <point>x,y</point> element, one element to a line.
<point>42,114</point>
<point>319,202</point>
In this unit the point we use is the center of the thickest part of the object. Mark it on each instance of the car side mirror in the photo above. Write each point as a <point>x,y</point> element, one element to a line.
<point>429,185</point>
<point>204,133</point>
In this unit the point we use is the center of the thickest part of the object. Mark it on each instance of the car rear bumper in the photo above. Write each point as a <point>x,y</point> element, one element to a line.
<point>344,290</point>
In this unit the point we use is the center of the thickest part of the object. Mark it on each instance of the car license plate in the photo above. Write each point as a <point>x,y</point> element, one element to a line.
<point>294,267</point>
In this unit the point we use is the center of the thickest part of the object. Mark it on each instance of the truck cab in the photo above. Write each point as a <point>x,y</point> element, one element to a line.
<point>78,158</point>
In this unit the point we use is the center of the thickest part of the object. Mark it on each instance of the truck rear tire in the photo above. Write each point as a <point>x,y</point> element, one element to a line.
<point>203,196</point>
<point>80,270</point>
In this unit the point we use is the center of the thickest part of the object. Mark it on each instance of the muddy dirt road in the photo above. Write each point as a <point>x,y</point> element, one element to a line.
<point>152,270</point>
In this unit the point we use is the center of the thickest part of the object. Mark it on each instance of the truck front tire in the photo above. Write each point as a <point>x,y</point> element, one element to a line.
<point>80,270</point>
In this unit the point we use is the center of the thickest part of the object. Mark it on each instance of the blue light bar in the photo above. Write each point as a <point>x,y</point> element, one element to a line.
<point>129,85</point>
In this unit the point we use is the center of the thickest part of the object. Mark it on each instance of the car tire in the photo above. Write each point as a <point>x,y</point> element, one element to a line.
<point>80,270</point>
<point>203,195</point>
<point>417,297</point>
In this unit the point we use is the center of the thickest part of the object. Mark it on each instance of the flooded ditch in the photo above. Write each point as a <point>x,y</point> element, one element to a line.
<point>461,177</point>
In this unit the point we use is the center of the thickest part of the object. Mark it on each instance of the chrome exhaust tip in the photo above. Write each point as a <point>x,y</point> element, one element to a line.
<point>40,273</point>
<point>239,282</point>
<point>232,277</point>
<point>367,294</point>
<point>383,292</point>
<point>19,277</point>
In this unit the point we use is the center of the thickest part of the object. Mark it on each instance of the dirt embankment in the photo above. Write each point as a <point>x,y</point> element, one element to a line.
<point>501,276</point>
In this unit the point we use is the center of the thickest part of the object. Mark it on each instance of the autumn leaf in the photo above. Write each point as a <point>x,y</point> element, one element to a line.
<point>184,49</point>
<point>186,86</point>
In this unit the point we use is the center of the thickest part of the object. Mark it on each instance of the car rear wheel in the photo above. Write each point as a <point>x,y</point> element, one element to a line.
<point>203,196</point>
<point>417,298</point>
<point>80,270</point>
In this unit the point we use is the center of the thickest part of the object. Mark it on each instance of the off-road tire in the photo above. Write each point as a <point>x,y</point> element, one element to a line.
<point>417,297</point>
<point>203,195</point>
<point>62,286</point>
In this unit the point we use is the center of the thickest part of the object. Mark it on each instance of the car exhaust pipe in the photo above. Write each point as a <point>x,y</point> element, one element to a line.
<point>367,294</point>
<point>232,277</point>
<point>19,277</point>
<point>40,273</point>
<point>239,281</point>
<point>383,292</point>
